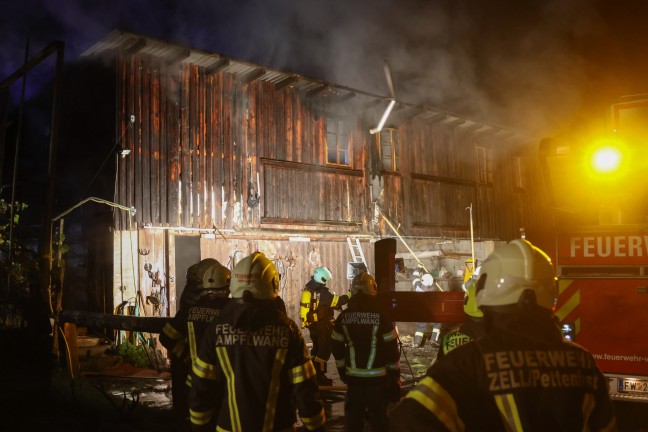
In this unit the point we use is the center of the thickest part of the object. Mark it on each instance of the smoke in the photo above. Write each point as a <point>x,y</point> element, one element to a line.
<point>533,65</point>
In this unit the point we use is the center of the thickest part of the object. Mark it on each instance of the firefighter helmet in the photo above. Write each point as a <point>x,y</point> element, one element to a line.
<point>257,274</point>
<point>208,274</point>
<point>518,273</point>
<point>322,275</point>
<point>364,283</point>
<point>470,300</point>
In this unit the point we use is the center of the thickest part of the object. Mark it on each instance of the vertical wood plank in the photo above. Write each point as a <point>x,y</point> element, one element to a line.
<point>185,148</point>
<point>145,95</point>
<point>209,151</point>
<point>163,78</point>
<point>174,143</point>
<point>192,206</point>
<point>155,143</point>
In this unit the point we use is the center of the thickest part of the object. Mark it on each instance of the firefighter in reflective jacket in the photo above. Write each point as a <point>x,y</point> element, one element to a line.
<point>204,296</point>
<point>423,281</point>
<point>365,347</point>
<point>522,375</point>
<point>472,327</point>
<point>252,369</point>
<point>317,309</point>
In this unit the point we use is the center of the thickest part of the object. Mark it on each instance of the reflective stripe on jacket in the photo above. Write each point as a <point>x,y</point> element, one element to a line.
<point>365,343</point>
<point>252,373</point>
<point>519,378</point>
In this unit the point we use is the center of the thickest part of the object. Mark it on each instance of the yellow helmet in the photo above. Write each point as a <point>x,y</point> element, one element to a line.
<point>208,274</point>
<point>518,273</point>
<point>364,283</point>
<point>257,274</point>
<point>217,277</point>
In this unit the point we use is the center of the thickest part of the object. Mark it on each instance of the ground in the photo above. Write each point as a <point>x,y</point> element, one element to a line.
<point>127,399</point>
<point>113,395</point>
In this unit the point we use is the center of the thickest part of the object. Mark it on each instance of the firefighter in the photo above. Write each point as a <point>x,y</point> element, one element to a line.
<point>423,281</point>
<point>252,368</point>
<point>365,347</point>
<point>319,317</point>
<point>205,294</point>
<point>472,327</point>
<point>522,374</point>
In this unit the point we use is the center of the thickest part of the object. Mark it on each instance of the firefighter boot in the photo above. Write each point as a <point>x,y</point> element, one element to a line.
<point>418,339</point>
<point>435,337</point>
<point>322,379</point>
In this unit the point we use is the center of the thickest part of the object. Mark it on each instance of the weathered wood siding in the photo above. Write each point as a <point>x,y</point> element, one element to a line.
<point>201,140</point>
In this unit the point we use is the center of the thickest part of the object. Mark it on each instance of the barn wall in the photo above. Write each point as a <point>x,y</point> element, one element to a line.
<point>204,143</point>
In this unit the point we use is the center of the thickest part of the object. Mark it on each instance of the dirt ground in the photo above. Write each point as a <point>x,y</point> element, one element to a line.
<point>115,396</point>
<point>141,400</point>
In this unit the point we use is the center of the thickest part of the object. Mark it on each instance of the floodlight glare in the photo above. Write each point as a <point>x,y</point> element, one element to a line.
<point>606,159</point>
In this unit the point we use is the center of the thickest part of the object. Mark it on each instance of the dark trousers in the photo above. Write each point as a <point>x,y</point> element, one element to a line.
<point>366,402</point>
<point>320,334</point>
<point>179,389</point>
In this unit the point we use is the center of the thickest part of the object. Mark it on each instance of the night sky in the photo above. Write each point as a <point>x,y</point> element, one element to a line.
<point>534,64</point>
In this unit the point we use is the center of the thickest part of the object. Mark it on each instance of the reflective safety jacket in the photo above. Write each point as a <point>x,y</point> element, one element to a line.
<point>521,377</point>
<point>253,372</point>
<point>469,330</point>
<point>365,343</point>
<point>324,302</point>
<point>182,334</point>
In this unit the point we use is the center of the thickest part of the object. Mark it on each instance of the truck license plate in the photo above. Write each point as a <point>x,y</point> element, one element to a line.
<point>632,385</point>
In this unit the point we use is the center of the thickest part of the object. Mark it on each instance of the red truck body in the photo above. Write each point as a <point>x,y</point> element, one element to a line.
<point>603,295</point>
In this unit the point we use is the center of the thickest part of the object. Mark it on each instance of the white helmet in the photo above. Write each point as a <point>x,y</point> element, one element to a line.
<point>257,274</point>
<point>427,279</point>
<point>322,275</point>
<point>518,273</point>
<point>208,274</point>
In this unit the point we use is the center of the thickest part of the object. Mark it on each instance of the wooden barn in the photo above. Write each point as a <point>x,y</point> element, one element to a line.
<point>221,157</point>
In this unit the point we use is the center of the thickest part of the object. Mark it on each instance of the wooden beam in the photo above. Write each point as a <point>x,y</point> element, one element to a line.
<point>252,75</point>
<point>414,112</point>
<point>435,118</point>
<point>217,66</point>
<point>345,97</point>
<point>373,103</point>
<point>285,83</point>
<point>179,56</point>
<point>117,322</point>
<point>134,47</point>
<point>454,122</point>
<point>318,90</point>
<point>485,131</point>
<point>468,128</point>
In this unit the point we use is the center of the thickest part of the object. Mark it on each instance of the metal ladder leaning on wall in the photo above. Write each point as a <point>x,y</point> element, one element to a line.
<point>356,251</point>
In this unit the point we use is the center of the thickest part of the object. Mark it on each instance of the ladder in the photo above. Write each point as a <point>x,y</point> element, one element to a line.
<point>356,251</point>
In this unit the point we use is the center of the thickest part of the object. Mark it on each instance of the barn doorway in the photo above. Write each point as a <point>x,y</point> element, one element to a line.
<point>187,253</point>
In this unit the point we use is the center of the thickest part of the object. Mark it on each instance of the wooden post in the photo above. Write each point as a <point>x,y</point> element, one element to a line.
<point>70,335</point>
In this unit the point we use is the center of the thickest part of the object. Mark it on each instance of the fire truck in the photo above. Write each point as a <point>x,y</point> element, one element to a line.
<point>599,193</point>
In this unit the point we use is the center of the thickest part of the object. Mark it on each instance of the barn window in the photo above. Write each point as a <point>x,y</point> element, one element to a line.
<point>519,172</point>
<point>389,149</point>
<point>337,142</point>
<point>484,165</point>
